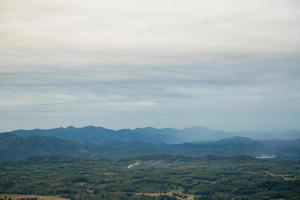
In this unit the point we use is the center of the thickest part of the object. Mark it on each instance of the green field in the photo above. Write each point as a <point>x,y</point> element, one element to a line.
<point>153,177</point>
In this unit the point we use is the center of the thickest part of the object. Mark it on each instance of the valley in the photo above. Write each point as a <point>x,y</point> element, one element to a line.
<point>154,178</point>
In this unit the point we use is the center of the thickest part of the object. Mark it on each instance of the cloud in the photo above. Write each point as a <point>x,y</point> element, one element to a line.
<point>79,33</point>
<point>225,64</point>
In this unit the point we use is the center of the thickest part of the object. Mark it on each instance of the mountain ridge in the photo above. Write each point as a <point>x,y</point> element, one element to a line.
<point>18,147</point>
<point>98,135</point>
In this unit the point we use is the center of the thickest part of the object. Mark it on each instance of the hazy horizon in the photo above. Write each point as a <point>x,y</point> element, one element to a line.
<point>144,127</point>
<point>226,65</point>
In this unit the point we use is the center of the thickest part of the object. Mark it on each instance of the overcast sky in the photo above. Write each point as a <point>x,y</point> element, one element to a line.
<point>224,64</point>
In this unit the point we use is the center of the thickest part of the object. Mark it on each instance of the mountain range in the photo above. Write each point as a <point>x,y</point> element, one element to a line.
<point>96,142</point>
<point>98,135</point>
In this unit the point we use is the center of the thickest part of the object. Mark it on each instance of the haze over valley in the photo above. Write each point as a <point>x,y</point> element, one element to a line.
<point>149,99</point>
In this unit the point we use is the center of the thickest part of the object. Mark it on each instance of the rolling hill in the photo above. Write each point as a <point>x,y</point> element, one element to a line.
<point>99,135</point>
<point>105,143</point>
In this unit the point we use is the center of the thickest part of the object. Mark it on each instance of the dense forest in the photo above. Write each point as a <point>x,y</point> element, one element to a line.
<point>93,163</point>
<point>153,177</point>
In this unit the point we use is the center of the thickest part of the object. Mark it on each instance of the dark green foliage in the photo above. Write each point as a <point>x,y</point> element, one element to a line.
<point>211,177</point>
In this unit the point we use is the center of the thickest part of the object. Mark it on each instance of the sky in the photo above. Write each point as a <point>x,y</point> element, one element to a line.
<point>227,65</point>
